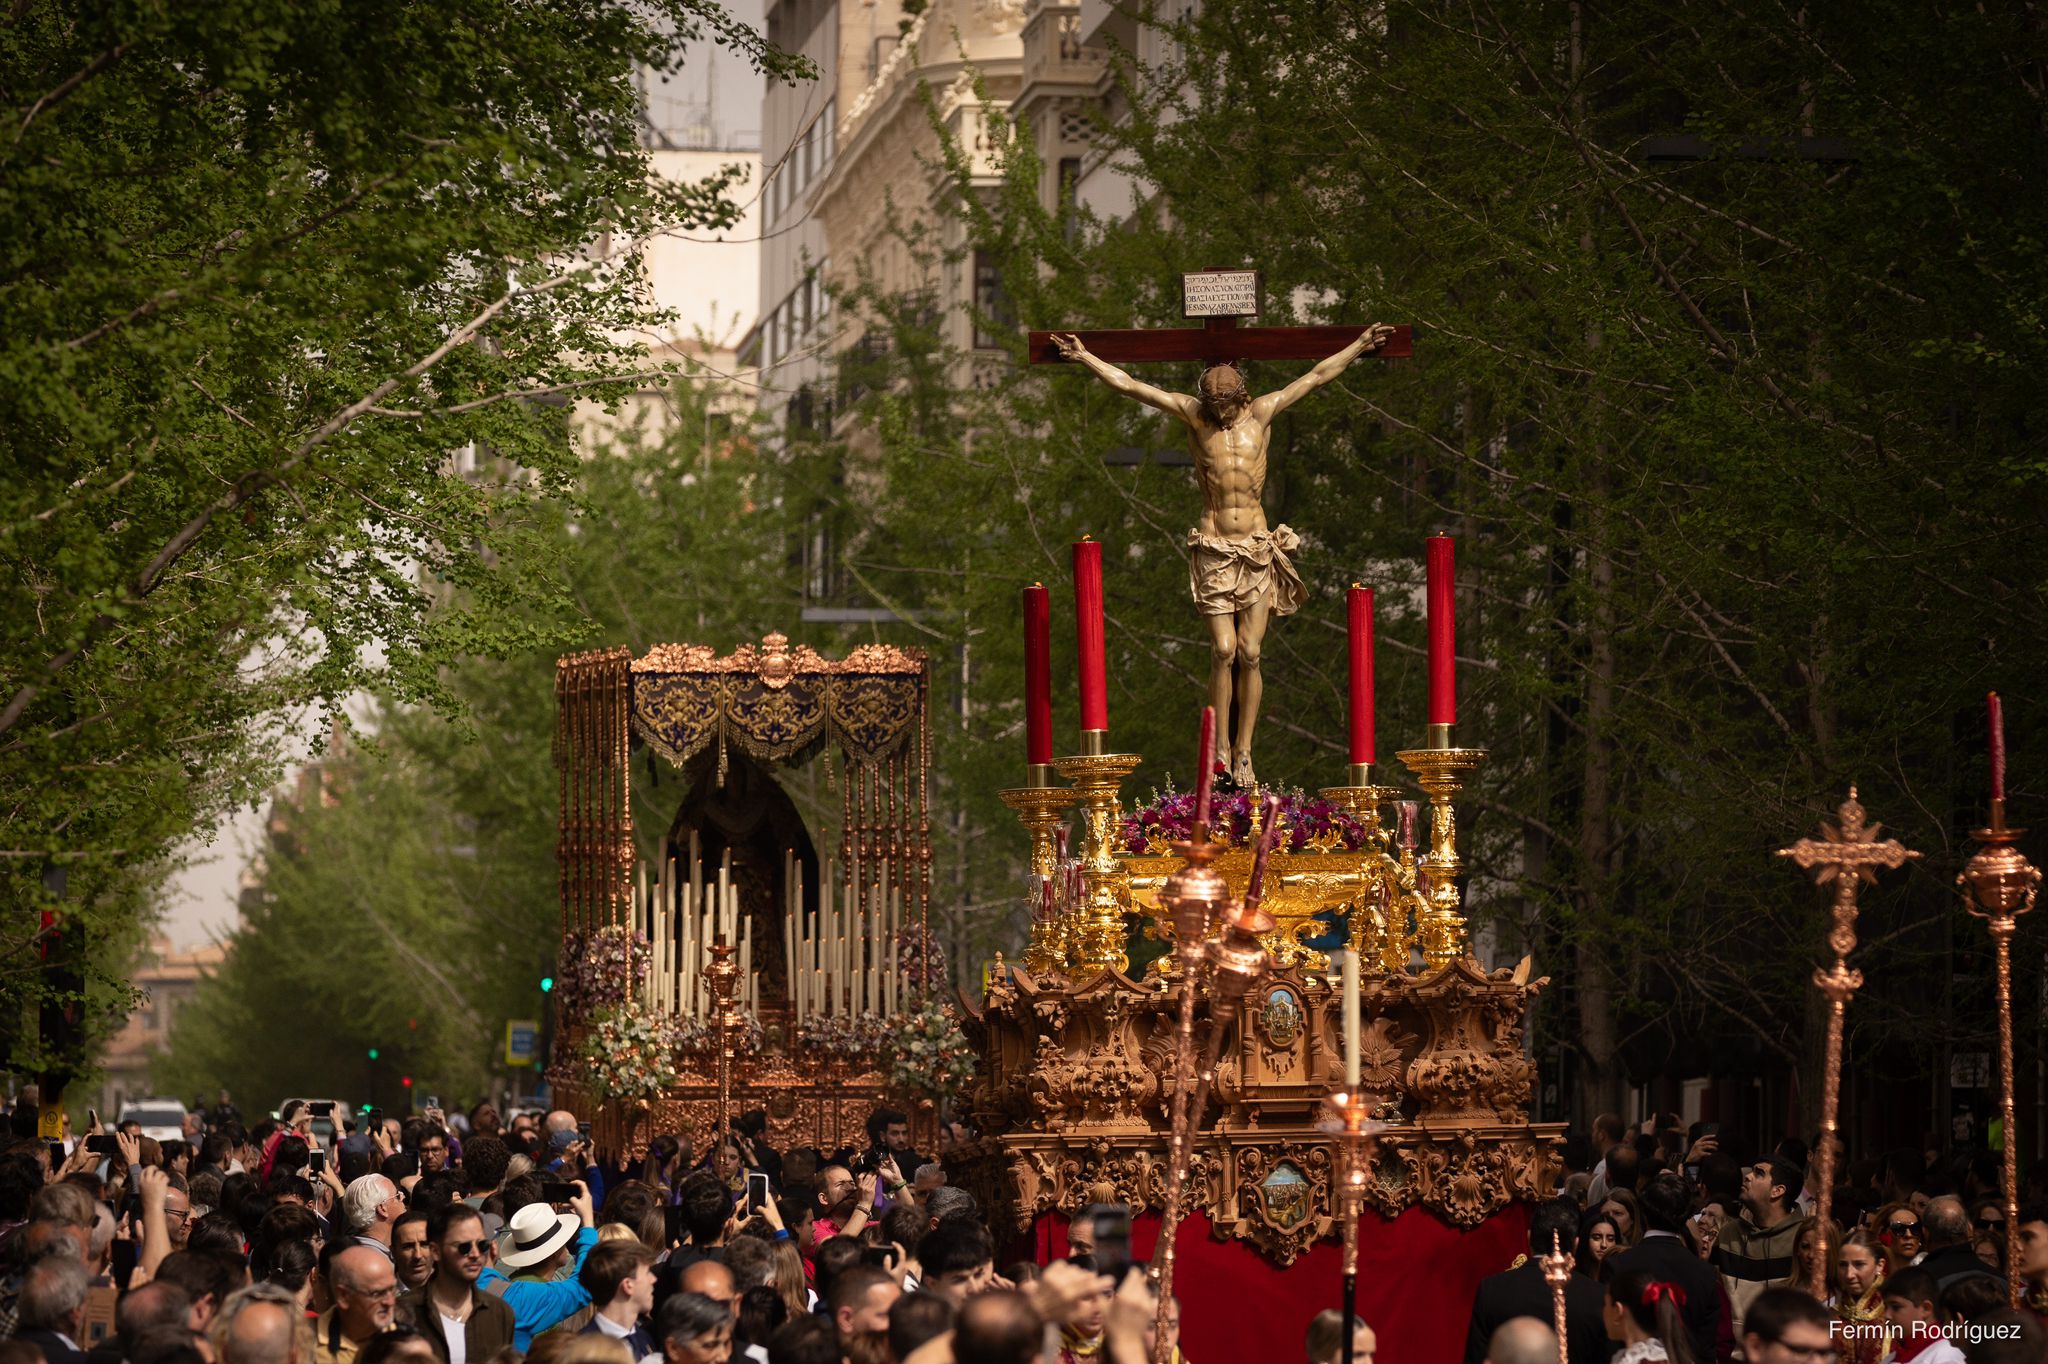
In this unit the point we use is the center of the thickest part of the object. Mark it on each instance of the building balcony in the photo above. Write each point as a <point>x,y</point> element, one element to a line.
<point>1054,54</point>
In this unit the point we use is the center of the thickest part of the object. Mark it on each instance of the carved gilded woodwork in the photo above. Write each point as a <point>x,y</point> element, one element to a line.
<point>1073,1097</point>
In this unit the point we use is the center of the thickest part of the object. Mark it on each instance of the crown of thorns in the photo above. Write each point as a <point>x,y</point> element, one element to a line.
<point>1218,380</point>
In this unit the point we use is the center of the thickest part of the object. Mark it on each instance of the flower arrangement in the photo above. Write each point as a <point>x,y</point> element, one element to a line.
<point>856,1037</point>
<point>627,1055</point>
<point>921,959</point>
<point>594,970</point>
<point>928,1053</point>
<point>1171,817</point>
<point>700,1035</point>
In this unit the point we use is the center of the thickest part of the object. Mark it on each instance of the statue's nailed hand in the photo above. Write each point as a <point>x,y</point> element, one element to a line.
<point>1377,336</point>
<point>1070,347</point>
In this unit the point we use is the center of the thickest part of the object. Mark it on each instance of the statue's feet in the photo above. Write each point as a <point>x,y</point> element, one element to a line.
<point>1241,771</point>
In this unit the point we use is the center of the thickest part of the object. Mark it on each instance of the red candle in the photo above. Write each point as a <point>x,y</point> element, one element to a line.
<point>1088,634</point>
<point>1997,747</point>
<point>1037,674</point>
<point>1361,674</point>
<point>1443,632</point>
<point>1205,764</point>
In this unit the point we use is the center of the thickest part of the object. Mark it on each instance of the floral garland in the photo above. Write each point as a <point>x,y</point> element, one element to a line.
<point>1170,818</point>
<point>627,1055</point>
<point>700,1035</point>
<point>858,1037</point>
<point>928,1053</point>
<point>920,958</point>
<point>594,976</point>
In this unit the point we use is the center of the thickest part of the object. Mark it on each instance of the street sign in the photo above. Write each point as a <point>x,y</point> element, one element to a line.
<point>1219,293</point>
<point>522,1041</point>
<point>1969,1070</point>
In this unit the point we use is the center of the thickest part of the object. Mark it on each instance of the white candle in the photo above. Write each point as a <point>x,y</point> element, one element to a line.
<point>1351,1022</point>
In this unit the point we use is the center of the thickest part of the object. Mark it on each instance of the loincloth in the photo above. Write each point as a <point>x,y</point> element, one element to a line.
<point>1226,574</point>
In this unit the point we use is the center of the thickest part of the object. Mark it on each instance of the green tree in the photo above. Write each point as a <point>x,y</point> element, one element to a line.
<point>419,886</point>
<point>1726,345</point>
<point>265,268</point>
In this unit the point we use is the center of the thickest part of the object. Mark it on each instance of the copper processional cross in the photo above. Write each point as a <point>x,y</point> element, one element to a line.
<point>1847,854</point>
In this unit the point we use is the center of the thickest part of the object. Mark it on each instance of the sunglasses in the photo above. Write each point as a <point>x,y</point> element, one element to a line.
<point>1903,1228</point>
<point>467,1247</point>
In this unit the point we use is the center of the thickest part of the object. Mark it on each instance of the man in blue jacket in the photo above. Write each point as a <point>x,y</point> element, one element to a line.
<point>539,1255</point>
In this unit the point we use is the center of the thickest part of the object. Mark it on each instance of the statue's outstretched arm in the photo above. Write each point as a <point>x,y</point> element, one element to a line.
<point>1173,404</point>
<point>1278,401</point>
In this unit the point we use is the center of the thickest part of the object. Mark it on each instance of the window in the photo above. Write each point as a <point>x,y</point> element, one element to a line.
<point>994,319</point>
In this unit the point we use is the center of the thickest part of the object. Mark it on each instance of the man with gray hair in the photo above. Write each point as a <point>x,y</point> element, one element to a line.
<point>53,1309</point>
<point>949,1202</point>
<point>1949,1257</point>
<point>1522,1340</point>
<point>371,1205</point>
<point>258,1324</point>
<point>365,1296</point>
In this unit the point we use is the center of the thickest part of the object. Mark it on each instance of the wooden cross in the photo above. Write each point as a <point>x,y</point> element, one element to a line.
<point>1219,340</point>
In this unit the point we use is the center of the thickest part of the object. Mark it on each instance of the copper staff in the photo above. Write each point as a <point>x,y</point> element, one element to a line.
<point>2002,884</point>
<point>1237,961</point>
<point>1557,1272</point>
<point>1846,856</point>
<point>1195,895</point>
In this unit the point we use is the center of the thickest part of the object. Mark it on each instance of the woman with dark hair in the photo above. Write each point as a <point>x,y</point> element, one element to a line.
<point>1648,1317</point>
<point>1900,1233</point>
<point>664,1158</point>
<point>290,1265</point>
<point>1627,1214</point>
<point>1598,1238</point>
<point>762,1312</point>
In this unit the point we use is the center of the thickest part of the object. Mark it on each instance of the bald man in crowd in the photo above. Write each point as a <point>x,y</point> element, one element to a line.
<point>1522,1340</point>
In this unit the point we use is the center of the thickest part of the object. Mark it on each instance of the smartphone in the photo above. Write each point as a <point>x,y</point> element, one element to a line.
<point>321,1108</point>
<point>433,1101</point>
<point>557,1191</point>
<point>56,1154</point>
<point>375,1119</point>
<point>316,1161</point>
<point>583,1130</point>
<point>103,1146</point>
<point>1113,1243</point>
<point>757,1192</point>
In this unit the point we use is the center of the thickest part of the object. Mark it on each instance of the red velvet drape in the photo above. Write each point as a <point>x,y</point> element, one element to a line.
<point>1416,1278</point>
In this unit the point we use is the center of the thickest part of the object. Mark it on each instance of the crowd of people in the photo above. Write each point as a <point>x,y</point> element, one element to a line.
<point>322,1237</point>
<point>1688,1249</point>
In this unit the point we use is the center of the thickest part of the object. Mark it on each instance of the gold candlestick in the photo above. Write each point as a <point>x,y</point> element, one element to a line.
<point>1040,808</point>
<point>2002,884</point>
<point>1375,935</point>
<point>1095,941</point>
<point>1442,771</point>
<point>722,976</point>
<point>1847,854</point>
<point>1195,896</point>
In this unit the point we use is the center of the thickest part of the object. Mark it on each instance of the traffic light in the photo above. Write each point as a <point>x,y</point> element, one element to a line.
<point>405,1081</point>
<point>547,983</point>
<point>373,1053</point>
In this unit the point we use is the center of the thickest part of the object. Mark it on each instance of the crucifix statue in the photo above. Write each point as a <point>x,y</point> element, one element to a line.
<point>1239,572</point>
